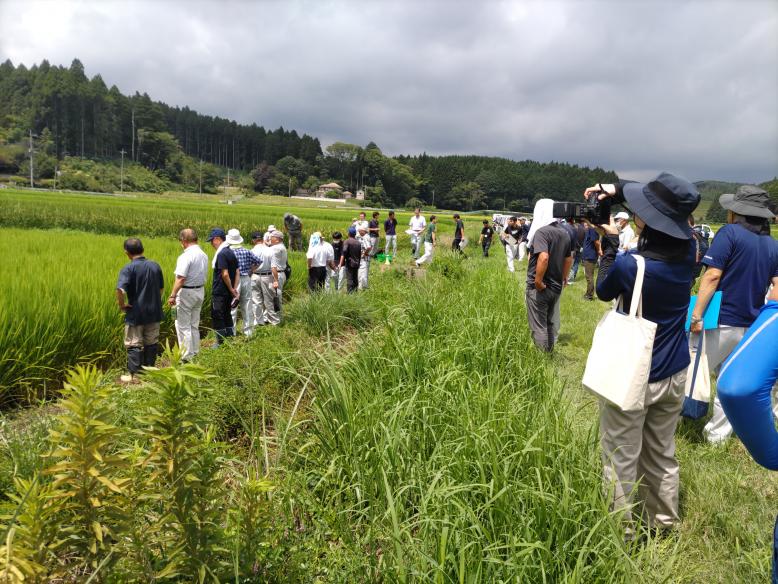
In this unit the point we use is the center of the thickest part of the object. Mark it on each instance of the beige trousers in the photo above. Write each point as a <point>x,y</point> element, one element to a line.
<point>189,302</point>
<point>268,293</point>
<point>244,304</point>
<point>639,448</point>
<point>141,335</point>
<point>257,301</point>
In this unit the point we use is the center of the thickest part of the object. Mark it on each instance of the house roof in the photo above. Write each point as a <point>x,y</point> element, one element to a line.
<point>332,185</point>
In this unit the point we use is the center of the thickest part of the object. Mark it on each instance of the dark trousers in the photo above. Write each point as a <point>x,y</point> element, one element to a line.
<point>455,245</point>
<point>221,315</point>
<point>541,314</point>
<point>316,278</point>
<point>352,279</point>
<point>589,268</point>
<point>485,245</point>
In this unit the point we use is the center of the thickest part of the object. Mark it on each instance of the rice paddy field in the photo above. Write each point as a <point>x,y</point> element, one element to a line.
<point>409,433</point>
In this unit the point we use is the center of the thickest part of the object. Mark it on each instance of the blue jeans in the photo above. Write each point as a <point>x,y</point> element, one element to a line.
<point>574,269</point>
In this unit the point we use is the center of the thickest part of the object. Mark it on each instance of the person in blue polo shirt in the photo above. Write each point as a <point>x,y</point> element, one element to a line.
<point>590,254</point>
<point>139,293</point>
<point>741,262</point>
<point>224,287</point>
<point>639,446</point>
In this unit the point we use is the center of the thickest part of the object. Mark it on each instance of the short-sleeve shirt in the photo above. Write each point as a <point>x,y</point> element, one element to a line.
<point>278,257</point>
<point>246,260</point>
<point>390,226</point>
<point>553,240</point>
<point>459,230</point>
<point>225,260</point>
<point>428,234</point>
<point>142,282</point>
<point>589,253</point>
<point>748,262</point>
<point>487,232</point>
<point>337,251</point>
<point>352,253</point>
<point>513,231</point>
<point>320,255</point>
<point>192,264</point>
<point>665,302</point>
<point>373,224</point>
<point>418,223</point>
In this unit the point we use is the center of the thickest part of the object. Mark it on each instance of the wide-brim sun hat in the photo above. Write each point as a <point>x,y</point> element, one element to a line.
<point>664,204</point>
<point>748,200</point>
<point>234,237</point>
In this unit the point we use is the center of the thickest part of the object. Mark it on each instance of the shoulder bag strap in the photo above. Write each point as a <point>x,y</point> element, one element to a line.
<point>636,307</point>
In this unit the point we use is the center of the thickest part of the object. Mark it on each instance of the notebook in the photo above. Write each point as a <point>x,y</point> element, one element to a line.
<point>710,320</point>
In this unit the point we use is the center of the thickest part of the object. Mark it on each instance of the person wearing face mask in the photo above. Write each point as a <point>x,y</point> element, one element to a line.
<point>639,446</point>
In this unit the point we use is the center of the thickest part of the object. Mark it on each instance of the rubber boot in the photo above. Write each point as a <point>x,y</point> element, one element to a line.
<point>150,355</point>
<point>134,360</point>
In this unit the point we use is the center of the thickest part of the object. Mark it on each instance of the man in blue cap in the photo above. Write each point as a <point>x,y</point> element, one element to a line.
<point>225,285</point>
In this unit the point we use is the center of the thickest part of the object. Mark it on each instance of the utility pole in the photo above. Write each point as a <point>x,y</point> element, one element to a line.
<point>32,182</point>
<point>122,152</point>
<point>290,187</point>
<point>201,176</point>
<point>433,197</point>
<point>133,134</point>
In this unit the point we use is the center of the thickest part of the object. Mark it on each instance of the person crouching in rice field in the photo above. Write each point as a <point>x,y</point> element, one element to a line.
<point>364,263</point>
<point>224,285</point>
<point>430,239</point>
<point>638,447</point>
<point>247,264</point>
<point>320,256</point>
<point>550,258</point>
<point>188,293</point>
<point>139,293</point>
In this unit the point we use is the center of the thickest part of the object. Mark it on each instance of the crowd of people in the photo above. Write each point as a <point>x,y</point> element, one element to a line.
<point>638,447</point>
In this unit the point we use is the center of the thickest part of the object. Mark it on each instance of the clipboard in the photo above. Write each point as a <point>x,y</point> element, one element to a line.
<point>710,320</point>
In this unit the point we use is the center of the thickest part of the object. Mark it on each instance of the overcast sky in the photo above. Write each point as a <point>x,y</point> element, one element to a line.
<point>639,87</point>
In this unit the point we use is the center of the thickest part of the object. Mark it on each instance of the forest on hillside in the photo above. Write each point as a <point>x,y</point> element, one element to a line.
<point>82,131</point>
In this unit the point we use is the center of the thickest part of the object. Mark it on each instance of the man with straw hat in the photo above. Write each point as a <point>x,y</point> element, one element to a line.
<point>741,262</point>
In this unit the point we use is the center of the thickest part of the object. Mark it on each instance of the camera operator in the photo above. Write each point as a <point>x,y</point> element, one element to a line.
<point>640,446</point>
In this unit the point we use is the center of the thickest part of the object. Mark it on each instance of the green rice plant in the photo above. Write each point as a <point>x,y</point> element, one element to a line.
<point>86,471</point>
<point>323,313</point>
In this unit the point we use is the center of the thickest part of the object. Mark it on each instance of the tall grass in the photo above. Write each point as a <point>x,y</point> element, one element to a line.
<point>441,449</point>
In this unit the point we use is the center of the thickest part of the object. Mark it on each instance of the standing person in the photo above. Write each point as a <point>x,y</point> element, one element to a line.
<point>361,221</point>
<point>336,274</point>
<point>223,285</point>
<point>511,236</point>
<point>320,257</point>
<point>372,231</point>
<point>639,446</point>
<point>701,248</point>
<point>390,230</point>
<point>487,233</point>
<point>418,224</point>
<point>590,254</point>
<point>580,235</point>
<point>524,225</point>
<point>459,234</point>
<point>550,257</point>
<point>139,296</point>
<point>188,293</point>
<point>430,239</point>
<point>364,263</point>
<point>569,227</point>
<point>262,251</point>
<point>273,283</point>
<point>294,227</point>
<point>247,263</point>
<point>626,233</point>
<point>350,260</point>
<point>741,261</point>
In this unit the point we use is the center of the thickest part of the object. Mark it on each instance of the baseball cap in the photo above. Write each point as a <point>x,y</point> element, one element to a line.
<point>216,232</point>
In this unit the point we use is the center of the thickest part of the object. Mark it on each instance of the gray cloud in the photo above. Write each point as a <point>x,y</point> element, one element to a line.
<point>639,86</point>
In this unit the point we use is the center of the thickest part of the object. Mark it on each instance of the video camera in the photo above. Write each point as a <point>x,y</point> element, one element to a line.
<point>593,210</point>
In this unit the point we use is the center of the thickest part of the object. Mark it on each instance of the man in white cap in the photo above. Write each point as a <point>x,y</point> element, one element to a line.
<point>247,263</point>
<point>626,233</point>
<point>364,264</point>
<point>273,283</point>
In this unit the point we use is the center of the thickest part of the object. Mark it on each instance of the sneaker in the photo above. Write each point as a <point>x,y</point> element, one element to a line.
<point>126,378</point>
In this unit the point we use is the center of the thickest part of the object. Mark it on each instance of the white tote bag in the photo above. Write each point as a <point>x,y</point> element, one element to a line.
<point>702,384</point>
<point>619,361</point>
